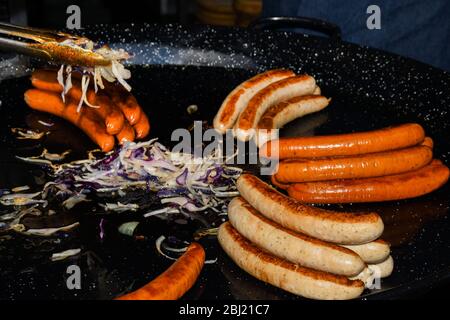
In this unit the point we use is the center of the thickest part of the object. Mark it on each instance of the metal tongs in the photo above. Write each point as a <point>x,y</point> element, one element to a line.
<point>50,45</point>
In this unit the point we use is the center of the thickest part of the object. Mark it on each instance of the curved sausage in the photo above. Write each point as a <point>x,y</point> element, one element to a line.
<point>173,283</point>
<point>86,120</point>
<point>278,184</point>
<point>391,138</point>
<point>286,111</point>
<point>286,275</point>
<point>372,252</point>
<point>272,94</point>
<point>294,247</point>
<point>396,187</point>
<point>428,142</point>
<point>360,166</point>
<point>331,226</point>
<point>236,101</point>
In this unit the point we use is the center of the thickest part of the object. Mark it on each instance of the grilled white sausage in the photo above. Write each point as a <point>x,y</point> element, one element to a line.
<point>331,226</point>
<point>372,252</point>
<point>238,99</point>
<point>374,272</point>
<point>294,247</point>
<point>288,276</point>
<point>274,93</point>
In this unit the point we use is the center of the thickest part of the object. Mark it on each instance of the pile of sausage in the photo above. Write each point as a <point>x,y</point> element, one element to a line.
<point>312,252</point>
<point>389,164</point>
<point>116,116</point>
<point>266,102</point>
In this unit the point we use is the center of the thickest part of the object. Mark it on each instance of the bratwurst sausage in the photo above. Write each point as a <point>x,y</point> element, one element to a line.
<point>331,226</point>
<point>294,247</point>
<point>173,283</point>
<point>391,138</point>
<point>272,94</point>
<point>286,275</point>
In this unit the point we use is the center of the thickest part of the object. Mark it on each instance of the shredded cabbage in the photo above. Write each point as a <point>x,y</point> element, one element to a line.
<point>184,184</point>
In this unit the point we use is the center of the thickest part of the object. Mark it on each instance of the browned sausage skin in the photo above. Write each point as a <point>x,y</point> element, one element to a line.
<point>390,138</point>
<point>360,166</point>
<point>292,246</point>
<point>331,226</point>
<point>283,274</point>
<point>395,187</point>
<point>237,100</point>
<point>274,93</point>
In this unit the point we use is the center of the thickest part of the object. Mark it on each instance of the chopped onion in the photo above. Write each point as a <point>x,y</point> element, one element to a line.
<point>49,231</point>
<point>28,134</point>
<point>120,207</point>
<point>35,160</point>
<point>158,243</point>
<point>177,250</point>
<point>211,261</point>
<point>20,199</point>
<point>47,124</point>
<point>54,156</point>
<point>60,79</point>
<point>20,189</point>
<point>128,228</point>
<point>65,254</point>
<point>181,179</point>
<point>160,211</point>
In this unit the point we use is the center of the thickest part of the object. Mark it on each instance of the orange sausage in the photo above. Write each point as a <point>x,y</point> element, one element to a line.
<point>286,111</point>
<point>390,138</point>
<point>126,134</point>
<point>360,166</point>
<point>401,186</point>
<point>428,142</point>
<point>46,80</point>
<point>126,102</point>
<point>173,283</point>
<point>112,116</point>
<point>85,119</point>
<point>278,184</point>
<point>142,128</point>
